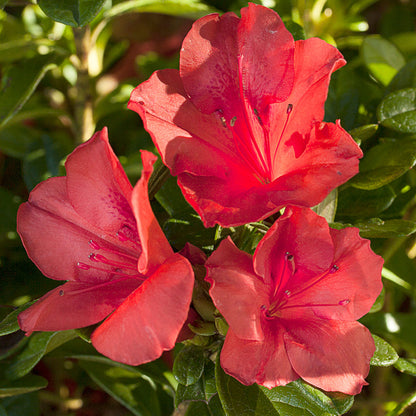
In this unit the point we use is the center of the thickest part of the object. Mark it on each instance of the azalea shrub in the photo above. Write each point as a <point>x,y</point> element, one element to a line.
<point>208,208</point>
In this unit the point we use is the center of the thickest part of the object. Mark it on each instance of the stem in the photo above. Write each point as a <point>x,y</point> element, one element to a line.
<point>83,102</point>
<point>401,407</point>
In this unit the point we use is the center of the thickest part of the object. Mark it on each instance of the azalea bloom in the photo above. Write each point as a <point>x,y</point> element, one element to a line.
<point>292,307</point>
<point>240,123</point>
<point>93,229</point>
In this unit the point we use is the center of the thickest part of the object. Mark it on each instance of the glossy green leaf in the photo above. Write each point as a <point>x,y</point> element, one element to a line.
<point>23,385</point>
<point>384,163</point>
<point>385,355</point>
<point>71,12</point>
<point>137,393</point>
<point>398,111</point>
<point>192,8</point>
<point>377,228</point>
<point>353,202</point>
<point>19,83</point>
<point>203,390</point>
<point>212,408</point>
<point>39,344</point>
<point>294,399</point>
<point>189,365</point>
<point>27,404</point>
<point>382,58</point>
<point>9,324</point>
<point>406,365</point>
<point>379,303</point>
<point>363,133</point>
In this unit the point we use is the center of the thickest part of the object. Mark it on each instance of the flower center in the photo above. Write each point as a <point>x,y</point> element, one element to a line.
<point>115,263</point>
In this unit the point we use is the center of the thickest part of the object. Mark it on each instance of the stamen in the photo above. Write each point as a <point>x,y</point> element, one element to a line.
<point>344,302</point>
<point>288,111</point>
<point>61,292</point>
<point>96,246</point>
<point>101,259</point>
<point>334,268</point>
<point>232,121</point>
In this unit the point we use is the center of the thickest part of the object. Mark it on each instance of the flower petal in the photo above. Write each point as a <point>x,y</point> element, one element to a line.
<point>56,238</point>
<point>75,304</point>
<point>302,234</point>
<point>149,320</point>
<point>263,362</point>
<point>155,246</point>
<point>98,187</point>
<point>236,291</point>
<point>332,355</point>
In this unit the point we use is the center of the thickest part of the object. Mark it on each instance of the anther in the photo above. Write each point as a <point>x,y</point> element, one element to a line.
<point>83,266</point>
<point>61,293</point>
<point>288,293</point>
<point>289,108</point>
<point>232,121</point>
<point>94,245</point>
<point>344,302</point>
<point>256,113</point>
<point>334,268</point>
<point>288,256</point>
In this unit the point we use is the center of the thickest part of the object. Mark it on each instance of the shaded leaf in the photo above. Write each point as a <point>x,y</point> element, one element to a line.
<point>405,78</point>
<point>363,133</point>
<point>19,83</point>
<point>189,365</point>
<point>71,12</point>
<point>378,304</point>
<point>382,58</point>
<point>385,355</point>
<point>398,111</point>
<point>384,163</point>
<point>22,405</point>
<point>377,228</point>
<point>137,393</point>
<point>364,203</point>
<point>23,385</point>
<point>39,344</point>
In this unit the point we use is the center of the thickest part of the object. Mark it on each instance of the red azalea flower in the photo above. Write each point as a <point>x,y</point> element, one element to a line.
<point>93,229</point>
<point>240,123</point>
<point>292,307</point>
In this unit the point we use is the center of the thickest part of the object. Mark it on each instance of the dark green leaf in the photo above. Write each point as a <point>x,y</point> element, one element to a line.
<point>385,355</point>
<point>23,385</point>
<point>398,111</point>
<point>19,83</point>
<point>3,3</point>
<point>9,324</point>
<point>405,78</point>
<point>135,392</point>
<point>22,405</point>
<point>16,140</point>
<point>9,204</point>
<point>377,228</point>
<point>2,411</point>
<point>213,408</point>
<point>71,12</point>
<point>171,198</point>
<point>296,30</point>
<point>363,133</point>
<point>384,163</point>
<point>407,366</point>
<point>189,365</point>
<point>353,202</point>
<point>39,344</point>
<point>382,58</point>
<point>190,8</point>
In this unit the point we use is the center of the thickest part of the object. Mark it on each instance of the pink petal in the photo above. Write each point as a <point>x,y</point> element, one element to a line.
<point>98,187</point>
<point>75,304</point>
<point>263,362</point>
<point>149,320</point>
<point>331,355</point>
<point>302,234</point>
<point>56,238</point>
<point>266,49</point>
<point>155,246</point>
<point>236,291</point>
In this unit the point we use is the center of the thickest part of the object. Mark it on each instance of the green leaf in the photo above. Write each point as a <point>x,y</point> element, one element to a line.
<point>22,405</point>
<point>363,133</point>
<point>294,399</point>
<point>19,83</point>
<point>16,49</point>
<point>189,364</point>
<point>16,140</point>
<point>382,58</point>
<point>405,78</point>
<point>353,202</point>
<point>203,390</point>
<point>328,206</point>
<point>192,8</point>
<point>71,12</point>
<point>296,30</point>
<point>23,385</point>
<point>9,324</point>
<point>379,303</point>
<point>377,228</point>
<point>385,355</point>
<point>406,365</point>
<point>384,163</point>
<point>213,408</point>
<point>137,393</point>
<point>39,344</point>
<point>398,111</point>
<point>9,204</point>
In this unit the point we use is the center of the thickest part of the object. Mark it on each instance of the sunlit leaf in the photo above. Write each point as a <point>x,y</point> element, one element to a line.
<point>385,355</point>
<point>398,111</point>
<point>406,365</point>
<point>377,228</point>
